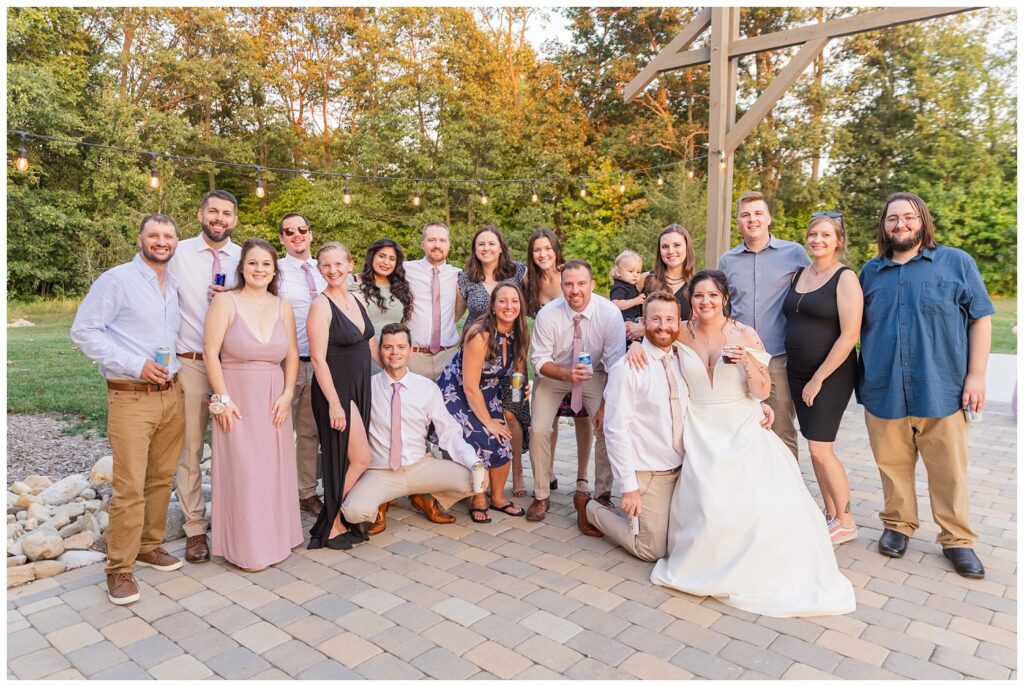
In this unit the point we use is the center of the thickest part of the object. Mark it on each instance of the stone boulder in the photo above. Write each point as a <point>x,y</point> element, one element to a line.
<point>43,543</point>
<point>13,561</point>
<point>49,569</point>
<point>20,574</point>
<point>175,522</point>
<point>37,482</point>
<point>71,530</point>
<point>80,541</point>
<point>65,490</point>
<point>78,559</point>
<point>26,500</point>
<point>39,512</point>
<point>21,488</point>
<point>102,471</point>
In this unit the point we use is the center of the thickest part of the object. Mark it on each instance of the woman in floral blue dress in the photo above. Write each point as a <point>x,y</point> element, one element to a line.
<point>493,348</point>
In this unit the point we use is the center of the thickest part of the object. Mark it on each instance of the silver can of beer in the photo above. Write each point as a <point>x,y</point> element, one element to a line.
<point>584,359</point>
<point>634,524</point>
<point>973,416</point>
<point>518,379</point>
<point>162,356</point>
<point>478,477</point>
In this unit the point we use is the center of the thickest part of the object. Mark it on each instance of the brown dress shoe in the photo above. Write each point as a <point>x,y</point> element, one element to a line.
<point>579,502</point>
<point>197,549</point>
<point>538,509</point>
<point>605,499</point>
<point>159,559</point>
<point>312,505</point>
<point>381,523</point>
<point>427,504</point>
<point>122,589</point>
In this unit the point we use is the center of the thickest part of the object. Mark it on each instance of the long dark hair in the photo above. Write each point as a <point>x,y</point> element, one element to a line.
<point>531,283</point>
<point>656,279</point>
<point>506,268</point>
<point>399,284</point>
<point>246,248</point>
<point>721,283</point>
<point>488,324</point>
<point>927,225</point>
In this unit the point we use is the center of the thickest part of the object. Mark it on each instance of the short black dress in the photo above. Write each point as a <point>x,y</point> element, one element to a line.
<point>812,327</point>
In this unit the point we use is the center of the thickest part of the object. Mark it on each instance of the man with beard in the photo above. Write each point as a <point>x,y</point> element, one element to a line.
<point>300,283</point>
<point>196,264</point>
<point>925,340</point>
<point>127,324</point>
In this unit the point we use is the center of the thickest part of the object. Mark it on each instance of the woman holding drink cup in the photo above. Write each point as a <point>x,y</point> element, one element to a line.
<point>493,349</point>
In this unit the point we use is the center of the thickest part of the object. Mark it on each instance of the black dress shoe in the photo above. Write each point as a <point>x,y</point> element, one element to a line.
<point>341,542</point>
<point>965,562</point>
<point>892,544</point>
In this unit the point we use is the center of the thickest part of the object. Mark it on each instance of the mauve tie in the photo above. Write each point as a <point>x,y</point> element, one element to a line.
<point>395,453</point>
<point>307,269</point>
<point>576,398</point>
<point>677,413</point>
<point>435,314</point>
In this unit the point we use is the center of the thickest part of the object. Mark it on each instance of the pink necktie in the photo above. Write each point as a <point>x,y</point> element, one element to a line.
<point>435,315</point>
<point>216,263</point>
<point>677,413</point>
<point>395,453</point>
<point>576,399</point>
<point>308,270</point>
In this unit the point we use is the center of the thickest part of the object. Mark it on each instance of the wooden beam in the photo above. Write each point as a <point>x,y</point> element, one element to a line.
<point>718,129</point>
<point>834,28</point>
<point>778,87</point>
<point>681,42</point>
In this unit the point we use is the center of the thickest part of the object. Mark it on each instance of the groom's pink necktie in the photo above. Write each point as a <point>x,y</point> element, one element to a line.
<point>576,397</point>
<point>310,282</point>
<point>677,413</point>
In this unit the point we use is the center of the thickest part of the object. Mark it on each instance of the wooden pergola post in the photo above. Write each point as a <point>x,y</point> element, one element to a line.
<point>725,134</point>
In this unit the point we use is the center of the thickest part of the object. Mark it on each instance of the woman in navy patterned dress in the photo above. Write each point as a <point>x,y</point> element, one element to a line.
<point>493,348</point>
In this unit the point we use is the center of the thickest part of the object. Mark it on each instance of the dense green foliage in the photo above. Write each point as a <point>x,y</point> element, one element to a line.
<point>458,94</point>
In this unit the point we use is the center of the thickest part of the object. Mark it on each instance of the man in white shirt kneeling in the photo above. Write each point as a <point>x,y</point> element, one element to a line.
<point>402,407</point>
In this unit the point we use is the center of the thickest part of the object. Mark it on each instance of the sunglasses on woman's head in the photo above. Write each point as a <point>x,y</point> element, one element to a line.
<point>834,214</point>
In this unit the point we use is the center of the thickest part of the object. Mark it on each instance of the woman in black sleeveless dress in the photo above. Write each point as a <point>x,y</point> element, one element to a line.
<point>823,313</point>
<point>340,340</point>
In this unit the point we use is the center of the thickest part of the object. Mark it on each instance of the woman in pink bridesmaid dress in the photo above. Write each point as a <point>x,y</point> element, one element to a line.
<point>249,332</point>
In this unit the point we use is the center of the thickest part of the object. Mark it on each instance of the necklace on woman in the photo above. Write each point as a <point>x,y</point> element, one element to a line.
<point>823,270</point>
<point>673,280</point>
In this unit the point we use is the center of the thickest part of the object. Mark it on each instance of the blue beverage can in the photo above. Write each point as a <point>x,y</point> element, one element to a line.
<point>162,357</point>
<point>220,279</point>
<point>584,359</point>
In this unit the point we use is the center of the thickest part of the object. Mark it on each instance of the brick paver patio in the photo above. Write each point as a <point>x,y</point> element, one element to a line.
<point>516,599</point>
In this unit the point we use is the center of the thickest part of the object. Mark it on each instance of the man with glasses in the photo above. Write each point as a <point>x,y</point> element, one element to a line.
<point>301,282</point>
<point>925,340</point>
<point>760,270</point>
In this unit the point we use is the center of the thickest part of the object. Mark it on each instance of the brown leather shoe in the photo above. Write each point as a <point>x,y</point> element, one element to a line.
<point>427,504</point>
<point>605,499</point>
<point>381,523</point>
<point>312,505</point>
<point>197,549</point>
<point>538,509</point>
<point>579,502</point>
<point>159,559</point>
<point>122,589</point>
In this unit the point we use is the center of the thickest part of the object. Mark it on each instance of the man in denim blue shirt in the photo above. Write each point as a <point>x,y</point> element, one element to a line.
<point>925,341</point>
<point>760,270</point>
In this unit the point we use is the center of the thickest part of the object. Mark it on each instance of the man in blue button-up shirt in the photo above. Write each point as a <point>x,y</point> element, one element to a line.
<point>129,315</point>
<point>760,270</point>
<point>925,340</point>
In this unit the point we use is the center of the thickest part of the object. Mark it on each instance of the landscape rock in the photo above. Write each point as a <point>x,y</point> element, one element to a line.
<point>90,523</point>
<point>21,515</point>
<point>102,471</point>
<point>20,574</point>
<point>70,530</point>
<point>11,518</point>
<point>26,500</point>
<point>43,543</point>
<point>80,541</point>
<point>72,510</point>
<point>39,511</point>
<point>14,548</point>
<point>37,482</point>
<point>30,524</point>
<point>58,521</point>
<point>13,530</point>
<point>103,519</point>
<point>207,452</point>
<point>175,522</point>
<point>88,494</point>
<point>12,499</point>
<point>65,490</point>
<point>21,322</point>
<point>93,505</point>
<point>16,560</point>
<point>78,559</point>
<point>49,569</point>
<point>21,488</point>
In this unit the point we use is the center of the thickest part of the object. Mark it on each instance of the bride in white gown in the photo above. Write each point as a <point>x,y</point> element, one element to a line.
<point>743,527</point>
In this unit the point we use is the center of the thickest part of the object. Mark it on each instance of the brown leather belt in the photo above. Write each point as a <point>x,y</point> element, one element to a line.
<point>117,385</point>
<point>190,355</point>
<point>426,349</point>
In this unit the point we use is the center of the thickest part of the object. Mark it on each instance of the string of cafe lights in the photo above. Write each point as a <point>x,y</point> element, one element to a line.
<point>21,163</point>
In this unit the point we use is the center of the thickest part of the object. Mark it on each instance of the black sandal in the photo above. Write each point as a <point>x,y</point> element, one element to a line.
<point>509,509</point>
<point>473,512</point>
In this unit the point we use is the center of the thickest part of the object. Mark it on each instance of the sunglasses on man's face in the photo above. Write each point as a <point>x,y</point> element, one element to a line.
<point>289,232</point>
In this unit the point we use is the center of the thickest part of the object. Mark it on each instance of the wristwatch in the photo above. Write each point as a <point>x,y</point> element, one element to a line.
<point>219,403</point>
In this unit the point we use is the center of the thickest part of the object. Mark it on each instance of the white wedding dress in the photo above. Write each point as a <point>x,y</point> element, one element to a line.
<point>743,527</point>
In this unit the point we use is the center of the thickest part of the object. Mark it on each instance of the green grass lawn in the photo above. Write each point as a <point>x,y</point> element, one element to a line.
<point>1003,340</point>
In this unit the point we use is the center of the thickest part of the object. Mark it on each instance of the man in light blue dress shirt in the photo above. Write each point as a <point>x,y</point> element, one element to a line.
<point>126,323</point>
<point>760,270</point>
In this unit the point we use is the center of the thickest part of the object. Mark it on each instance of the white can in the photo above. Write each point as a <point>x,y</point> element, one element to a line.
<point>634,523</point>
<point>585,359</point>
<point>478,477</point>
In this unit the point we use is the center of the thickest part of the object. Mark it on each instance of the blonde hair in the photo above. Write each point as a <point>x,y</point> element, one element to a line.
<point>334,245</point>
<point>614,273</point>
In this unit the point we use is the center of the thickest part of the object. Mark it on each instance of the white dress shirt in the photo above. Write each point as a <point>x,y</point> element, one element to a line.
<point>421,405</point>
<point>124,319</point>
<point>294,288</point>
<point>419,274</point>
<point>604,335</point>
<point>192,264</point>
<point>638,417</point>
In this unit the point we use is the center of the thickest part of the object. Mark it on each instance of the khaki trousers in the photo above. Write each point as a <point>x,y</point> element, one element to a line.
<point>656,489</point>
<point>145,431</point>
<point>547,395</point>
<point>431,366</point>
<point>446,480</point>
<point>197,419</point>
<point>780,401</point>
<point>307,441</point>
<point>942,443</point>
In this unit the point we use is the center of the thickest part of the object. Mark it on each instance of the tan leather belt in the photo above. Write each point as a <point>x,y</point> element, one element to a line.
<point>190,355</point>
<point>426,349</point>
<point>116,385</point>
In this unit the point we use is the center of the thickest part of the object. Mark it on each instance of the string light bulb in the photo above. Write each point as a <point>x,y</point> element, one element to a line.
<point>154,175</point>
<point>622,185</point>
<point>260,191</point>
<point>346,197</point>
<point>689,173</point>
<point>583,188</point>
<point>483,196</point>
<point>661,180</point>
<point>721,160</point>
<point>416,198</point>
<point>21,162</point>
<point>534,198</point>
